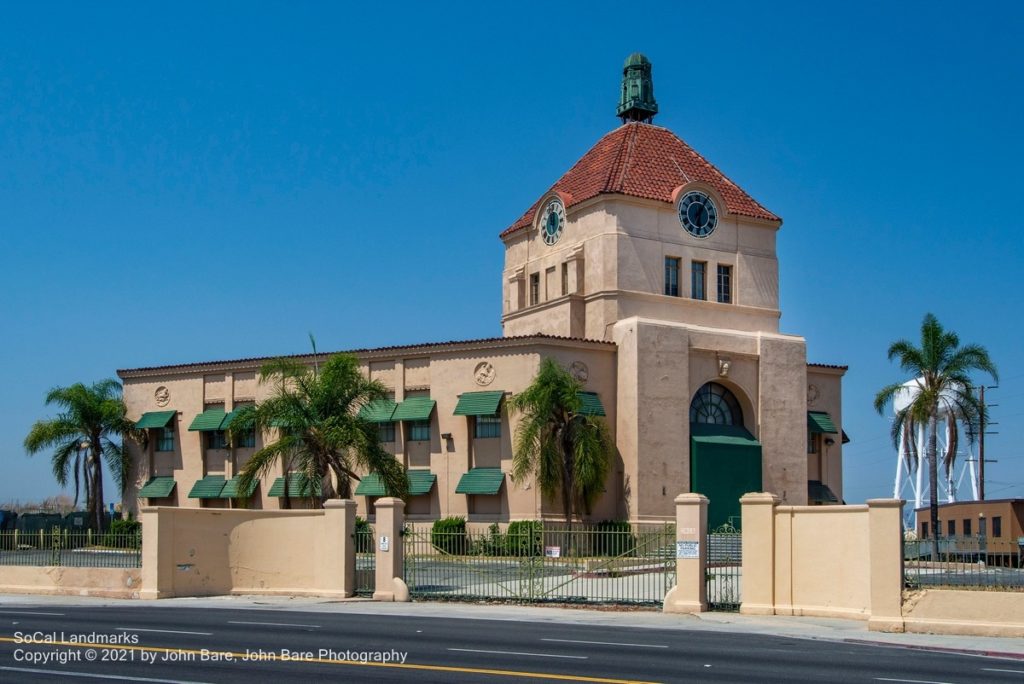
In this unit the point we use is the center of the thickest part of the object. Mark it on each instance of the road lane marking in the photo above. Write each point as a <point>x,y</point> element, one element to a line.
<point>352,663</point>
<point>605,643</point>
<point>26,612</point>
<point>269,624</point>
<point>161,631</point>
<point>910,681</point>
<point>539,655</point>
<point>93,675</point>
<point>994,669</point>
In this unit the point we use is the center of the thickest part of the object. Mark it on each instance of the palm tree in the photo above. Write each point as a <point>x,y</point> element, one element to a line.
<point>568,451</point>
<point>941,368</point>
<point>320,434</point>
<point>90,429</point>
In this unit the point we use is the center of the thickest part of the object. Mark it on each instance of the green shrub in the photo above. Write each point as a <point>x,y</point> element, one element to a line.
<point>490,544</point>
<point>614,538</point>
<point>363,536</point>
<point>124,533</point>
<point>524,538</point>
<point>449,535</point>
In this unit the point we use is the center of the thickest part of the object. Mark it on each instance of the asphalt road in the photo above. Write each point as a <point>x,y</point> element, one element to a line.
<point>226,645</point>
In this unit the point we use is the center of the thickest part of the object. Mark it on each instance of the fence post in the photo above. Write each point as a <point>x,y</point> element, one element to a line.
<point>690,595</point>
<point>885,546</point>
<point>157,548</point>
<point>338,569</point>
<point>389,585</point>
<point>758,579</point>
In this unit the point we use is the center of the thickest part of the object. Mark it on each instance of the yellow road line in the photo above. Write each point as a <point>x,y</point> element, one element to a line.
<point>331,661</point>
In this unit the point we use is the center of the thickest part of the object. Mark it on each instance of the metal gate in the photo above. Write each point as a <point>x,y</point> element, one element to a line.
<point>366,565</point>
<point>544,562</point>
<point>725,568</point>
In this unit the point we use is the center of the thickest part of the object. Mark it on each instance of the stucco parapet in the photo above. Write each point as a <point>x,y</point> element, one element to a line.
<point>427,349</point>
<point>823,510</point>
<point>885,503</point>
<point>683,302</point>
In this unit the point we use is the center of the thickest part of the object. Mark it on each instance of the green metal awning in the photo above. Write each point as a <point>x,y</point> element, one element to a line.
<point>820,422</point>
<point>820,493</point>
<point>155,419</point>
<point>231,490</point>
<point>209,487</point>
<point>208,420</point>
<point>420,482</point>
<point>298,486</point>
<point>228,418</point>
<point>710,433</point>
<point>157,487</point>
<point>591,404</point>
<point>414,408</point>
<point>481,481</point>
<point>379,411</point>
<point>479,403</point>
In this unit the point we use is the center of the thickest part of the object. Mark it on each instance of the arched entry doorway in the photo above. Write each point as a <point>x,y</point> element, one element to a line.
<point>725,459</point>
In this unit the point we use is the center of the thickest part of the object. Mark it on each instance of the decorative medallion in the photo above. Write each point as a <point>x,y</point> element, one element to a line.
<point>579,370</point>
<point>552,221</point>
<point>484,373</point>
<point>698,214</point>
<point>163,396</point>
<point>812,394</point>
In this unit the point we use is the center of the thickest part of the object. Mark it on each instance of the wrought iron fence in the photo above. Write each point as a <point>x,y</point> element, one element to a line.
<point>366,564</point>
<point>544,562</point>
<point>964,563</point>
<point>72,548</point>
<point>725,568</point>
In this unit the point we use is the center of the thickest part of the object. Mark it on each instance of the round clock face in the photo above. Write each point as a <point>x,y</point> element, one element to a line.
<point>698,214</point>
<point>553,221</point>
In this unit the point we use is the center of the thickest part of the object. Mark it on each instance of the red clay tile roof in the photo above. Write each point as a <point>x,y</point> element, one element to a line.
<point>646,161</point>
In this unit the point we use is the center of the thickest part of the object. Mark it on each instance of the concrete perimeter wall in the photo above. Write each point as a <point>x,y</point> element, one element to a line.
<point>202,552</point>
<point>62,581</point>
<point>961,611</point>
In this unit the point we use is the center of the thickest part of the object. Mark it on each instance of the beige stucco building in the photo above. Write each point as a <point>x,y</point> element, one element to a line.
<point>645,271</point>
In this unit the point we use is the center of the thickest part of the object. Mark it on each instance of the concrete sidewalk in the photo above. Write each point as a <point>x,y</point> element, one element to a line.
<point>851,631</point>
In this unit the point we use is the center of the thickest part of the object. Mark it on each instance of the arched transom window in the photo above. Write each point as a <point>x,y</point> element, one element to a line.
<point>715,404</point>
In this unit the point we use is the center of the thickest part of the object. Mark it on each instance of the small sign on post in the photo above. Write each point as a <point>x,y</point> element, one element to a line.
<point>385,543</point>
<point>553,551</point>
<point>687,549</point>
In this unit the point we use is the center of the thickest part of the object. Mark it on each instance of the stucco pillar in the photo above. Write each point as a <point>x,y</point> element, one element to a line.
<point>157,553</point>
<point>885,541</point>
<point>758,585</point>
<point>690,595</point>
<point>338,556</point>
<point>390,585</point>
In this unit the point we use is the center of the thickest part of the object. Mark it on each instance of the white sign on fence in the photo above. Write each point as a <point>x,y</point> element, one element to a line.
<point>687,549</point>
<point>385,543</point>
<point>553,551</point>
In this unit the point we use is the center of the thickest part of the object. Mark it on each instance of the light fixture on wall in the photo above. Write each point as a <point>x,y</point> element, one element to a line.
<point>446,435</point>
<point>829,441</point>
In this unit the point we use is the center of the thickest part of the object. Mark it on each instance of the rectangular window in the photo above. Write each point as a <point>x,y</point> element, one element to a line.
<point>419,430</point>
<point>967,527</point>
<point>565,278</point>
<point>951,528</point>
<point>534,289</point>
<point>924,530</point>
<point>215,439</point>
<point>981,526</point>
<point>165,439</point>
<point>997,526</point>
<point>672,276</point>
<point>724,284</point>
<point>386,432</point>
<point>698,280</point>
<point>247,439</point>
<point>812,443</point>
<point>488,427</point>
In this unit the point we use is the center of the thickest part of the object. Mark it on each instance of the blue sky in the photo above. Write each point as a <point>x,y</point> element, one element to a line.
<point>200,182</point>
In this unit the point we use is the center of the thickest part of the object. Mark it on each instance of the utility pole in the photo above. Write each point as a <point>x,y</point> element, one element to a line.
<point>983,424</point>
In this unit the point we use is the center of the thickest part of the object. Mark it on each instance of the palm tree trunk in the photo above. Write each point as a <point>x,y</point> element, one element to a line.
<point>97,483</point>
<point>933,482</point>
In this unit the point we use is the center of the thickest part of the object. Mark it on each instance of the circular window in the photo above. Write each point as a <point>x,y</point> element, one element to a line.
<point>715,404</point>
<point>698,214</point>
<point>552,221</point>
